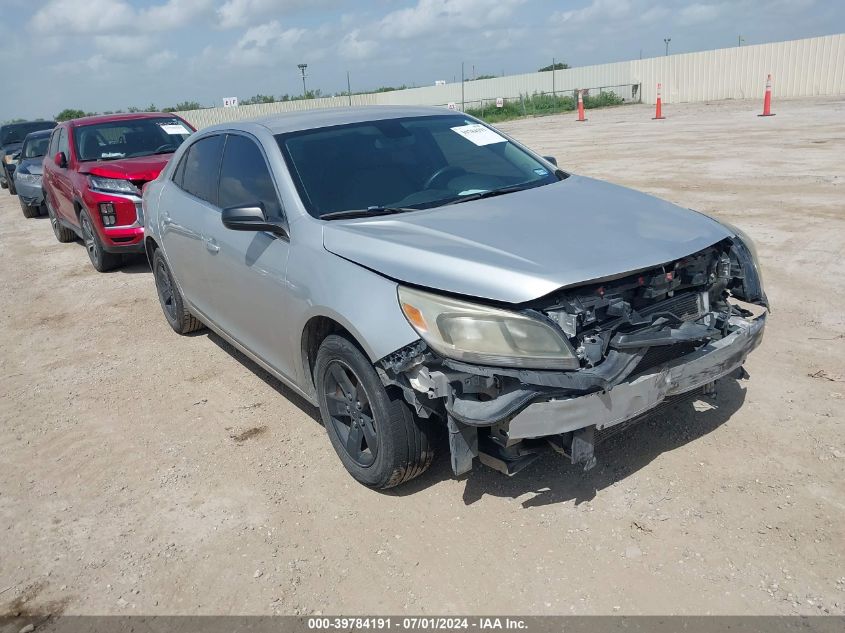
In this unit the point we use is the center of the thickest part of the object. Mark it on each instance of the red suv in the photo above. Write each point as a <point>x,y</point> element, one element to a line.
<point>93,174</point>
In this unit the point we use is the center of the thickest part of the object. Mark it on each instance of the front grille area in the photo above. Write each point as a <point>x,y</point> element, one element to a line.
<point>688,306</point>
<point>663,354</point>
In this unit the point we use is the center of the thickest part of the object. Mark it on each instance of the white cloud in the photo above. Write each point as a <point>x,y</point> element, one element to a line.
<point>234,13</point>
<point>123,46</point>
<point>595,11</point>
<point>104,16</point>
<point>353,47</point>
<point>175,13</point>
<point>262,45</point>
<point>699,13</point>
<point>161,60</point>
<point>437,16</point>
<point>82,16</point>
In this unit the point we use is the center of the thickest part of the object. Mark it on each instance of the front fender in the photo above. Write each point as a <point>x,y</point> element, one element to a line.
<point>362,301</point>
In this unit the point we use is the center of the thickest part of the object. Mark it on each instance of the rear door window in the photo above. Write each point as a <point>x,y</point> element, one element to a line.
<point>201,168</point>
<point>245,178</point>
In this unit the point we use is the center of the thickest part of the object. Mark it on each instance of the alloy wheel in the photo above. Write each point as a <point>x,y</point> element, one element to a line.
<point>350,412</point>
<point>54,221</point>
<point>90,240</point>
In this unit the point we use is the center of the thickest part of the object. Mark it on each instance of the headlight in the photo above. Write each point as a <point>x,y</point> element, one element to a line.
<point>488,336</point>
<point>113,185</point>
<point>752,274</point>
<point>25,178</point>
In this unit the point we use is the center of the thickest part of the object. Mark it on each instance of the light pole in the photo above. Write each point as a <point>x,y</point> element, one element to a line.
<point>739,40</point>
<point>666,41</point>
<point>302,68</point>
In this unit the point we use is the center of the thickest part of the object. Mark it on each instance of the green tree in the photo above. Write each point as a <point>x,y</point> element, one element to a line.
<point>558,66</point>
<point>259,99</point>
<point>183,105</point>
<point>69,113</point>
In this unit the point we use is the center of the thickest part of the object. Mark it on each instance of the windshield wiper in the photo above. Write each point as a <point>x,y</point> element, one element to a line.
<point>489,194</point>
<point>365,213</point>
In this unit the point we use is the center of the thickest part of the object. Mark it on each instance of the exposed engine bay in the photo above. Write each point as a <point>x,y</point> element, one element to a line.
<point>649,329</point>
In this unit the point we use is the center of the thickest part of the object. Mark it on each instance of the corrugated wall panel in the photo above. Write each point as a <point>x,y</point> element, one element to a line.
<point>814,66</point>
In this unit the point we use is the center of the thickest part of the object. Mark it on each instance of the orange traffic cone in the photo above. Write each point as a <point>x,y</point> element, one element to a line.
<point>658,112</point>
<point>581,106</point>
<point>767,100</point>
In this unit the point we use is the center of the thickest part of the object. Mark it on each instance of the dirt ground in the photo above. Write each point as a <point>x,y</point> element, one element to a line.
<point>143,472</point>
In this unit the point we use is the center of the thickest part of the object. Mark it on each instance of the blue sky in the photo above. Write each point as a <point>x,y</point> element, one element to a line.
<point>110,54</point>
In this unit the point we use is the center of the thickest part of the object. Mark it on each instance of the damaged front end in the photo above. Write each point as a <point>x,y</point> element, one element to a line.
<point>593,357</point>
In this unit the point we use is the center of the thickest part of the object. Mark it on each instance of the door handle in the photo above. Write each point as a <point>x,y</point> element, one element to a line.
<point>212,245</point>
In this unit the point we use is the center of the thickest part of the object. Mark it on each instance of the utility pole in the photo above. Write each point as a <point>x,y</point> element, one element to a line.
<point>554,98</point>
<point>739,40</point>
<point>666,40</point>
<point>463,103</point>
<point>302,68</point>
<point>348,88</point>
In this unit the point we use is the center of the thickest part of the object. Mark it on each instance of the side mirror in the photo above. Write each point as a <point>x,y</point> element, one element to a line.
<point>251,218</point>
<point>60,159</point>
<point>551,159</point>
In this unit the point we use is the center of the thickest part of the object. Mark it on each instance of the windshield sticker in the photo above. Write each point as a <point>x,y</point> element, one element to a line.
<point>479,134</point>
<point>541,172</point>
<point>174,128</point>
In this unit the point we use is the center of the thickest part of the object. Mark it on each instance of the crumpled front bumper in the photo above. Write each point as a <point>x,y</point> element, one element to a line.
<point>632,398</point>
<point>30,194</point>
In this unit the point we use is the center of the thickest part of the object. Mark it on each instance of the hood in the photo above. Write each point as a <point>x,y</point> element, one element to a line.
<point>518,247</point>
<point>143,168</point>
<point>11,148</point>
<point>32,166</point>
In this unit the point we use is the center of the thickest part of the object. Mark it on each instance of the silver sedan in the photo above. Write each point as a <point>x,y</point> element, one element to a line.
<point>406,268</point>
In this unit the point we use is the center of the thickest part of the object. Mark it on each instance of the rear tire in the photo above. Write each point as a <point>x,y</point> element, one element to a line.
<point>172,304</point>
<point>62,233</point>
<point>374,432</point>
<point>29,211</point>
<point>100,259</point>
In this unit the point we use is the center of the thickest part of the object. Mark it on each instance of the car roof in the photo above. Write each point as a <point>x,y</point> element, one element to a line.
<point>38,134</point>
<point>6,126</point>
<point>124,116</point>
<point>327,117</point>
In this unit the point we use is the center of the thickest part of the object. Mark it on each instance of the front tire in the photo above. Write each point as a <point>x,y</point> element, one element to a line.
<point>100,259</point>
<point>29,211</point>
<point>376,435</point>
<point>10,182</point>
<point>172,304</point>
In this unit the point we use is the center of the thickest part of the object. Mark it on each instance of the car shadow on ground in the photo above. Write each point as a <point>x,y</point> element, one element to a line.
<point>552,479</point>
<point>283,390</point>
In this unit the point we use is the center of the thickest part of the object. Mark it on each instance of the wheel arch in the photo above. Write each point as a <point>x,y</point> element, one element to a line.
<point>315,331</point>
<point>150,247</point>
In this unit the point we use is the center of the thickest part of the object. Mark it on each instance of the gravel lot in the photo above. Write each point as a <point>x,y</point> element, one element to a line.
<point>142,472</point>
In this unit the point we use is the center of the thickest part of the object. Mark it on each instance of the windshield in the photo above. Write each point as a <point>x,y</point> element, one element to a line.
<point>35,147</point>
<point>16,132</point>
<point>129,138</point>
<point>417,162</point>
